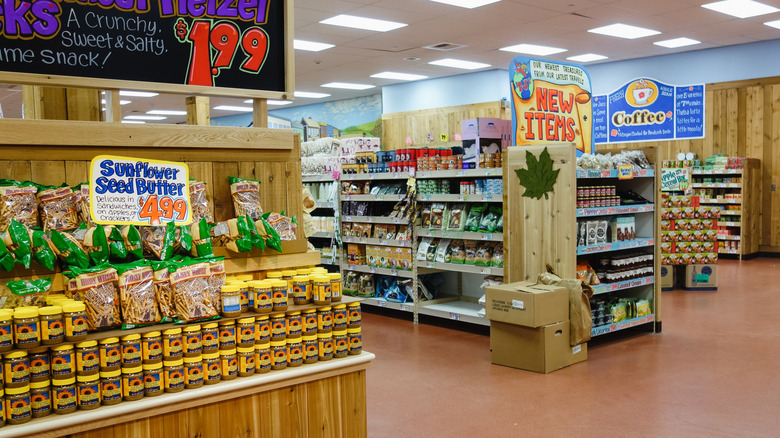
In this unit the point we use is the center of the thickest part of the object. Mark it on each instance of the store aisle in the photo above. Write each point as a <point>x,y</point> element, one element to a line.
<point>711,373</point>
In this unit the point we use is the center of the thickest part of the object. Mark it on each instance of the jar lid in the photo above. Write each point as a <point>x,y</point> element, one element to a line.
<point>309,337</point>
<point>257,284</point>
<point>132,370</point>
<point>6,314</point>
<point>242,277</point>
<point>301,278</point>
<point>193,359</point>
<point>63,382</point>
<point>17,391</point>
<point>277,315</point>
<point>294,312</point>
<point>289,273</point>
<point>41,384</point>
<point>303,271</point>
<point>250,320</point>
<point>264,345</point>
<point>91,378</point>
<point>109,374</point>
<point>273,274</point>
<point>227,352</point>
<point>261,317</point>
<point>62,347</point>
<point>278,343</point>
<point>25,312</point>
<point>325,309</point>
<point>86,344</point>
<point>339,332</point>
<point>173,331</point>
<point>318,269</point>
<point>73,306</point>
<point>312,310</point>
<point>152,366</point>
<point>340,306</point>
<point>113,340</point>
<point>15,355</point>
<point>322,279</point>
<point>231,288</point>
<point>210,355</point>
<point>246,349</point>
<point>279,283</point>
<point>324,335</point>
<point>227,322</point>
<point>173,363</point>
<point>133,337</point>
<point>335,276</point>
<point>353,330</point>
<point>210,325</point>
<point>355,304</point>
<point>50,310</point>
<point>192,328</point>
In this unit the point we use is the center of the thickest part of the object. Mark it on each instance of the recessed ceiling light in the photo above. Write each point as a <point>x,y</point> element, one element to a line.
<point>347,86</point>
<point>125,102</point>
<point>588,57</point>
<point>775,24</point>
<point>311,95</point>
<point>532,49</point>
<point>137,93</point>
<point>677,42</point>
<point>102,101</point>
<point>364,23</point>
<point>459,63</point>
<point>624,31</point>
<point>311,46</point>
<point>398,76</point>
<point>247,109</point>
<point>134,122</point>
<point>470,4</point>
<point>740,8</point>
<point>167,113</point>
<point>145,118</point>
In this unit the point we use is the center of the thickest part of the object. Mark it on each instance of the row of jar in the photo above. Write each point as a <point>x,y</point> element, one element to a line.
<point>30,327</point>
<point>275,293</point>
<point>110,354</point>
<point>65,395</point>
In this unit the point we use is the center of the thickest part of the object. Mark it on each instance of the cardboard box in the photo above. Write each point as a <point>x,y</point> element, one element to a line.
<point>527,304</point>
<point>701,277</point>
<point>543,349</point>
<point>485,127</point>
<point>667,277</point>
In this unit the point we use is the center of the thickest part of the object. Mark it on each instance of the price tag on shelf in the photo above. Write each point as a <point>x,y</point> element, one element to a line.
<point>455,316</point>
<point>461,172</point>
<point>382,303</point>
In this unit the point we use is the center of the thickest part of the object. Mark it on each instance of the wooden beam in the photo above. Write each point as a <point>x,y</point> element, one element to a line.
<point>260,113</point>
<point>198,111</point>
<point>32,101</point>
<point>83,104</point>
<point>113,111</point>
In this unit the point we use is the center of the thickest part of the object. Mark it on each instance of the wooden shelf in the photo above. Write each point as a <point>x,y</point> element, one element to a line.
<point>461,173</point>
<point>262,261</point>
<point>373,198</point>
<point>465,235</point>
<point>382,242</point>
<point>376,219</point>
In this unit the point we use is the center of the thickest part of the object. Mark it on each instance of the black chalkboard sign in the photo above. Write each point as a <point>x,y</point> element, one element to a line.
<point>199,46</point>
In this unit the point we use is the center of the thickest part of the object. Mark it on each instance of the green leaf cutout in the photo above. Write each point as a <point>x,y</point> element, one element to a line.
<point>539,178</point>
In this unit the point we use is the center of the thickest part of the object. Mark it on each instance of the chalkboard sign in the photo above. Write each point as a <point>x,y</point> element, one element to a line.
<point>218,47</point>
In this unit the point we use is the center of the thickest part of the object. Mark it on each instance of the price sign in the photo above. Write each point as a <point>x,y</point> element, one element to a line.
<point>134,191</point>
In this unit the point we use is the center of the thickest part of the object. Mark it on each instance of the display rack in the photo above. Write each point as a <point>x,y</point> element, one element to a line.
<point>326,241</point>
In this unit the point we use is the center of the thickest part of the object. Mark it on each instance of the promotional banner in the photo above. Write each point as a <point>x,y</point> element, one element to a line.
<point>134,191</point>
<point>646,109</point>
<point>551,103</point>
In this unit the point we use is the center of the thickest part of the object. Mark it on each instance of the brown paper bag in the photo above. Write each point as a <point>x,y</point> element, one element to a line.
<point>579,305</point>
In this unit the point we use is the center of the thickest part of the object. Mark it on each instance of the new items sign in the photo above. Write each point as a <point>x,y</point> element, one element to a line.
<point>551,103</point>
<point>646,109</point>
<point>134,191</point>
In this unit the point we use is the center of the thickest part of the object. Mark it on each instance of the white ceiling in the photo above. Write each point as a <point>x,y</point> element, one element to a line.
<point>558,23</point>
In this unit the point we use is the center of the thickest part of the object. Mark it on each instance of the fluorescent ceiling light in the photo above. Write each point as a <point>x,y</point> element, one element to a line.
<point>624,31</point>
<point>145,118</point>
<point>363,23</point>
<point>311,95</point>
<point>347,86</point>
<point>135,122</point>
<point>677,42</point>
<point>588,57</point>
<point>398,76</point>
<point>532,49</point>
<point>311,46</point>
<point>273,102</point>
<point>137,93</point>
<point>247,109</point>
<point>459,63</point>
<point>741,8</point>
<point>125,102</point>
<point>775,24</point>
<point>470,4</point>
<point>167,113</point>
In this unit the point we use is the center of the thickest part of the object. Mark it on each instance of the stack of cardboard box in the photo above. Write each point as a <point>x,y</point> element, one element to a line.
<point>529,327</point>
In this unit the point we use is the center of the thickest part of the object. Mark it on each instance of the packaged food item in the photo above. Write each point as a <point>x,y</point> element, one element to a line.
<point>425,217</point>
<point>18,201</point>
<point>498,255</point>
<point>137,294</point>
<point>163,290</point>
<point>283,225</point>
<point>29,293</point>
<point>7,260</point>
<point>246,197</point>
<point>158,242</point>
<point>438,212</point>
<point>471,252</point>
<point>474,217</point>
<point>116,244</point>
<point>484,254</point>
<point>457,218</point>
<point>58,209</point>
<point>201,239</point>
<point>95,243</point>
<point>189,280</point>
<point>17,241</point>
<point>98,288</point>
<point>81,193</point>
<point>199,202</point>
<point>422,248</point>
<point>457,251</point>
<point>442,249</point>
<point>489,220</point>
<point>216,280</point>
<point>132,239</point>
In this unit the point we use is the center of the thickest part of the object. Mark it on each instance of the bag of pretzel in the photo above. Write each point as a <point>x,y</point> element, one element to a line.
<point>17,239</point>
<point>163,290</point>
<point>246,197</point>
<point>217,279</point>
<point>199,202</point>
<point>68,249</point>
<point>58,209</point>
<point>201,239</point>
<point>159,242</point>
<point>191,299</point>
<point>81,193</point>
<point>18,201</point>
<point>98,288</point>
<point>137,295</point>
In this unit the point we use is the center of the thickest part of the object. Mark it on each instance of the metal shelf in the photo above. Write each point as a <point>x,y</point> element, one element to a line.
<point>615,246</point>
<point>717,172</point>
<point>464,311</point>
<point>729,224</point>
<point>719,201</point>
<point>622,209</point>
<point>467,173</point>
<point>323,235</point>
<point>318,178</point>
<point>371,198</point>
<point>622,285</point>
<point>612,173</point>
<point>728,237</point>
<point>331,205</point>
<point>611,328</point>
<point>456,267</point>
<point>375,176</point>
<point>465,235</point>
<point>376,219</point>
<point>731,212</point>
<point>716,185</point>
<point>383,242</point>
<point>381,302</point>
<point>460,198</point>
<point>380,271</point>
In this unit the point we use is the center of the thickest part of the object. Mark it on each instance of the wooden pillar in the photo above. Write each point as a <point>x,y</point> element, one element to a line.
<point>260,114</point>
<point>83,104</point>
<point>113,110</point>
<point>198,112</point>
<point>56,103</point>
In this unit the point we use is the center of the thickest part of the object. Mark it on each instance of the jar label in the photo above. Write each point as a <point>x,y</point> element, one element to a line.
<point>39,366</point>
<point>173,346</point>
<point>152,381</point>
<point>210,341</point>
<point>279,329</point>
<point>89,395</point>
<point>355,342</point>
<point>340,319</point>
<point>280,298</point>
<point>131,353</point>
<point>294,354</point>
<point>341,346</point>
<point>294,326</point>
<point>227,336</point>
<point>152,349</point>
<point>6,335</point>
<point>64,398</point>
<point>62,364</point>
<point>75,325</point>
<point>310,323</point>
<point>335,289</point>
<point>111,389</point>
<point>110,356</point>
<point>213,370</point>
<point>41,402</point>
<point>2,412</point>
<point>324,321</point>
<point>194,373</point>
<point>174,379</point>
<point>231,304</point>
<point>27,333</point>
<point>17,372</point>
<point>193,343</point>
<point>279,357</point>
<point>52,329</point>
<point>263,331</point>
<point>263,360</point>
<point>132,386</point>
<point>87,361</point>
<point>244,298</point>
<point>299,292</point>
<point>263,301</point>
<point>247,335</point>
<point>310,351</point>
<point>229,366</point>
<point>326,347</point>
<point>246,364</point>
<point>18,408</point>
<point>354,316</point>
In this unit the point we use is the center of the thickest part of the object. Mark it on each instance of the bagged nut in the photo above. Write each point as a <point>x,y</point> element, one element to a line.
<point>58,209</point>
<point>18,201</point>
<point>190,291</point>
<point>98,288</point>
<point>246,197</point>
<point>199,202</point>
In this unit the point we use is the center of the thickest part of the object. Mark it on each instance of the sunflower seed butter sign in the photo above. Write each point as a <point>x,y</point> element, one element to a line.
<point>134,191</point>
<point>551,103</point>
<point>646,109</point>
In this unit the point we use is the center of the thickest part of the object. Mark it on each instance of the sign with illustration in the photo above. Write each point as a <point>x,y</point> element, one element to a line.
<point>551,103</point>
<point>645,109</point>
<point>196,45</point>
<point>675,179</point>
<point>135,191</point>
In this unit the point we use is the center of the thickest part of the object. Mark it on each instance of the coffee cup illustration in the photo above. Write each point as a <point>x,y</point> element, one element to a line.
<point>641,95</point>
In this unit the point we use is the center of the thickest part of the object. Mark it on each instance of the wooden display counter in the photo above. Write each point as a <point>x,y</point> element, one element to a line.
<point>326,399</point>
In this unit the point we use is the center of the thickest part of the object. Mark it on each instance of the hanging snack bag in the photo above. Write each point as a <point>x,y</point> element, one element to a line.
<point>471,252</point>
<point>159,242</point>
<point>283,225</point>
<point>437,216</point>
<point>246,197</point>
<point>201,239</point>
<point>58,209</point>
<point>184,239</point>
<point>457,218</point>
<point>69,250</point>
<point>271,236</point>
<point>98,288</point>
<point>189,280</point>
<point>17,239</point>
<point>132,239</point>
<point>18,201</point>
<point>81,194</point>
<point>235,233</point>
<point>216,280</point>
<point>95,244</point>
<point>475,217</point>
<point>6,257</point>
<point>30,293</point>
<point>43,253</point>
<point>199,202</point>
<point>163,290</point>
<point>116,243</point>
<point>136,294</point>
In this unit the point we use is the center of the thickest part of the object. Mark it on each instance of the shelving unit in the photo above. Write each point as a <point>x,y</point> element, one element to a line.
<point>327,208</point>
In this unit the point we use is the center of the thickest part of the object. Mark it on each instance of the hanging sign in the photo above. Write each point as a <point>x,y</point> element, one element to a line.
<point>675,179</point>
<point>646,109</point>
<point>135,191</point>
<point>625,171</point>
<point>551,103</point>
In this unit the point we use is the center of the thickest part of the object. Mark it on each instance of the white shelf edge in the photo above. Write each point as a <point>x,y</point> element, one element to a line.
<point>464,235</point>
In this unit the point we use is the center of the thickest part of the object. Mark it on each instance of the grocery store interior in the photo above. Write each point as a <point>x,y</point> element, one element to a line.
<point>405,245</point>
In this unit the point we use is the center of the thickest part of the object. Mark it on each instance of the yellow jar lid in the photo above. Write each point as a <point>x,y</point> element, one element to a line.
<point>25,312</point>
<point>91,378</point>
<point>133,337</point>
<point>132,370</point>
<point>152,366</point>
<point>324,335</point>
<point>278,343</point>
<point>310,337</point>
<point>325,309</point>
<point>355,304</point>
<point>334,276</point>
<point>277,315</point>
<point>174,331</point>
<point>303,278</point>
<point>309,310</point>
<point>63,382</point>
<point>62,347</point>
<point>235,282</point>
<point>86,344</point>
<point>246,349</point>
<point>152,335</point>
<point>320,279</point>
<point>173,363</point>
<point>231,288</point>
<point>293,339</point>
<point>256,283</point>
<point>227,352</point>
<point>250,320</point>
<point>53,297</point>
<point>193,359</point>
<point>6,314</point>
<point>50,310</point>
<point>303,271</point>
<point>273,274</point>
<point>210,325</point>
<point>339,332</point>
<point>210,355</point>
<point>294,313</point>
<point>192,328</point>
<point>263,346</point>
<point>353,331</point>
<point>109,341</point>
<point>73,306</point>
<point>228,322</point>
<point>289,273</point>
<point>16,391</point>
<point>261,318</point>
<point>15,355</point>
<point>2,392</point>
<point>243,277</point>
<point>339,306</point>
<point>279,283</point>
<point>109,374</point>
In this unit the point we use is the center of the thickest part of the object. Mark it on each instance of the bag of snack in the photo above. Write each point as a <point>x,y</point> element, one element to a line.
<point>116,243</point>
<point>484,254</point>
<point>246,197</point>
<point>7,260</point>
<point>438,212</point>
<point>132,238</point>
<point>457,218</point>
<point>159,242</point>
<point>163,291</point>
<point>471,252</point>
<point>426,216</point>
<point>136,294</point>
<point>199,202</point>
<point>457,252</point>
<point>475,217</point>
<point>189,280</point>
<point>30,293</point>
<point>81,195</point>
<point>490,219</point>
<point>201,239</point>
<point>43,253</point>
<point>58,208</point>
<point>283,225</point>
<point>498,256</point>
<point>18,201</point>
<point>441,251</point>
<point>184,239</point>
<point>271,237</point>
<point>98,288</point>
<point>69,250</point>
<point>216,280</point>
<point>95,243</point>
<point>17,239</point>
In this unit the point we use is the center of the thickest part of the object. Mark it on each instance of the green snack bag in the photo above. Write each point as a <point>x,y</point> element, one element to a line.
<point>116,244</point>
<point>6,258</point>
<point>201,239</point>
<point>244,241</point>
<point>132,240</point>
<point>490,219</point>
<point>32,293</point>
<point>69,249</point>
<point>185,239</point>
<point>17,239</point>
<point>258,234</point>
<point>272,240</point>
<point>96,245</point>
<point>42,250</point>
<point>474,217</point>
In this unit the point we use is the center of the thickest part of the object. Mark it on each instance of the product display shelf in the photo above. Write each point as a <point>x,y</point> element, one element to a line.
<point>376,220</point>
<point>382,242</point>
<point>613,173</point>
<point>622,285</point>
<point>328,205</point>
<point>380,271</point>
<point>372,198</point>
<point>622,325</point>
<point>323,235</point>
<point>459,198</point>
<point>456,309</point>
<point>460,173</point>
<point>374,176</point>
<point>717,172</point>
<point>616,246</point>
<point>319,178</point>
<point>729,224</point>
<point>719,201</point>
<point>728,237</point>
<point>465,235</point>
<point>716,186</point>
<point>456,267</point>
<point>383,303</point>
<point>620,209</point>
